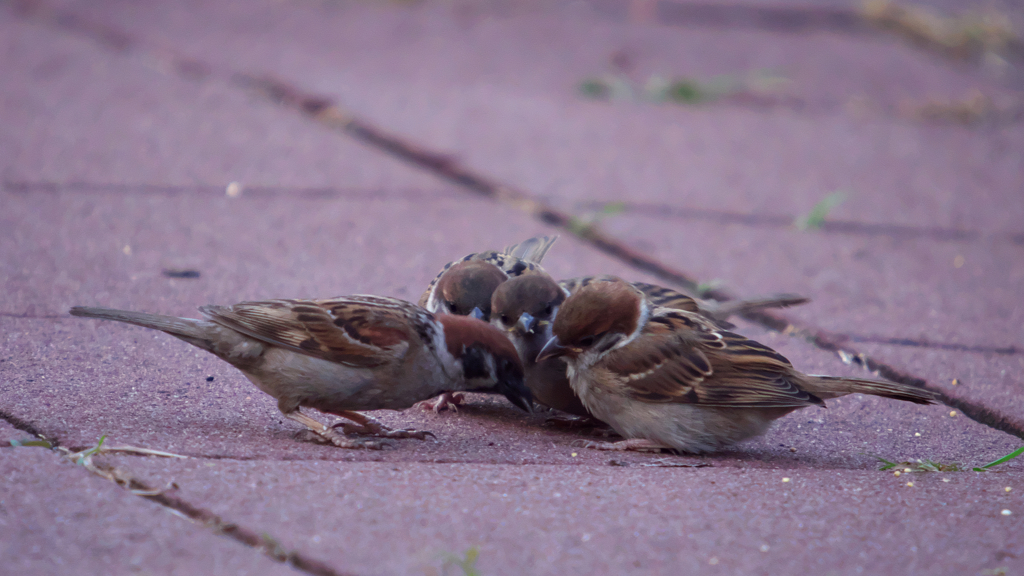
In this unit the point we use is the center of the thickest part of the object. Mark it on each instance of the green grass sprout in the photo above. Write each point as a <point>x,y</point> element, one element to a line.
<point>704,288</point>
<point>933,466</point>
<point>467,563</point>
<point>30,443</point>
<point>815,219</point>
<point>86,455</point>
<point>1002,460</point>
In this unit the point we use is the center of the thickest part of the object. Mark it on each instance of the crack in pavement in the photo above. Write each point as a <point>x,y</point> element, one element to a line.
<point>326,112</point>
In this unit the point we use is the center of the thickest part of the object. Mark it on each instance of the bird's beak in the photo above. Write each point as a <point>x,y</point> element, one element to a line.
<point>478,314</point>
<point>517,393</point>
<point>527,323</point>
<point>552,349</point>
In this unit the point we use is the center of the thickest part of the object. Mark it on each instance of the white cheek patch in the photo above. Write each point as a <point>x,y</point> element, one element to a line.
<point>645,314</point>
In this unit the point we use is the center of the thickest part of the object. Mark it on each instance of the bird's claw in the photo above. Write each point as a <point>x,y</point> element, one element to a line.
<point>446,401</point>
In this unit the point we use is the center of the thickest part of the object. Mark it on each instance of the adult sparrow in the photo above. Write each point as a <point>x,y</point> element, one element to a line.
<point>525,308</point>
<point>464,287</point>
<point>346,354</point>
<point>668,378</point>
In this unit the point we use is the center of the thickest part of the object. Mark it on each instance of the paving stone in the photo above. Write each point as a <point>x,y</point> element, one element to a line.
<point>57,518</point>
<point>613,519</point>
<point>115,168</point>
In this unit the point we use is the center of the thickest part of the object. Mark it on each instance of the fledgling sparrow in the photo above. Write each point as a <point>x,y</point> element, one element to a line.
<point>525,308</point>
<point>667,378</point>
<point>464,287</point>
<point>467,284</point>
<point>345,354</point>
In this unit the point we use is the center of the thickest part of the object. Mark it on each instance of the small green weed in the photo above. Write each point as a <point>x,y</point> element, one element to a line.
<point>816,217</point>
<point>467,563</point>
<point>85,456</point>
<point>31,443</point>
<point>919,466</point>
<point>933,466</point>
<point>704,288</point>
<point>680,90</point>
<point>999,461</point>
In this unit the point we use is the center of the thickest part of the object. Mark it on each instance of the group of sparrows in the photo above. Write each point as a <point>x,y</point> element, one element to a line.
<point>661,368</point>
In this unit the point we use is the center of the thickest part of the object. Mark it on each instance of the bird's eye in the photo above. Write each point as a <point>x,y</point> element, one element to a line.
<point>505,319</point>
<point>587,342</point>
<point>547,310</point>
<point>451,306</point>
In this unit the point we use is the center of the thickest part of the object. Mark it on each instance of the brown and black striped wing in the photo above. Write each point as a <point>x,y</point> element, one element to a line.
<point>360,331</point>
<point>681,357</point>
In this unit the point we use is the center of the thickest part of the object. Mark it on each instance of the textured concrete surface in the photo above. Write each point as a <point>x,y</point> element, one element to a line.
<point>115,165</point>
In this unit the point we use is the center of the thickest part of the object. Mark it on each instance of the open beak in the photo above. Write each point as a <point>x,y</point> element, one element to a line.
<point>478,314</point>
<point>552,349</point>
<point>527,323</point>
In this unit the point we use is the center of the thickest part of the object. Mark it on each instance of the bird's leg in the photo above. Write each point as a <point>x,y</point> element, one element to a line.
<point>330,434</point>
<point>448,400</point>
<point>637,444</point>
<point>363,424</point>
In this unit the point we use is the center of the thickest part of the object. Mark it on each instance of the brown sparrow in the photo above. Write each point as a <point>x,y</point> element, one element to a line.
<point>717,311</point>
<point>346,354</point>
<point>464,287</point>
<point>525,308</point>
<point>467,284</point>
<point>668,378</point>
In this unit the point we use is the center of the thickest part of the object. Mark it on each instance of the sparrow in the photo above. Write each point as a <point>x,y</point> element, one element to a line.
<point>711,309</point>
<point>526,307</point>
<point>665,378</point>
<point>346,354</point>
<point>464,288</point>
<point>467,284</point>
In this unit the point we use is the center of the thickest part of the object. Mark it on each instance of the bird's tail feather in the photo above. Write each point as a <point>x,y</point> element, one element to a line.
<point>195,332</point>
<point>834,386</point>
<point>532,249</point>
<point>723,310</point>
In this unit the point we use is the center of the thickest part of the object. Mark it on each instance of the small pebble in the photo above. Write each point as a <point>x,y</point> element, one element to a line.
<point>917,433</point>
<point>952,413</point>
<point>896,473</point>
<point>945,479</point>
<point>765,548</point>
<point>713,561</point>
<point>1006,512</point>
<point>1008,488</point>
<point>792,449</point>
<point>910,484</point>
<point>573,454</point>
<point>785,479</point>
<point>955,381</point>
<point>234,190</point>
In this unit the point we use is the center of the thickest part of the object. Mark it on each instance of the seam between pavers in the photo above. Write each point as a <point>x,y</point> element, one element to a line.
<point>663,211</point>
<point>25,187</point>
<point>917,24</point>
<point>326,112</point>
<point>262,542</point>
